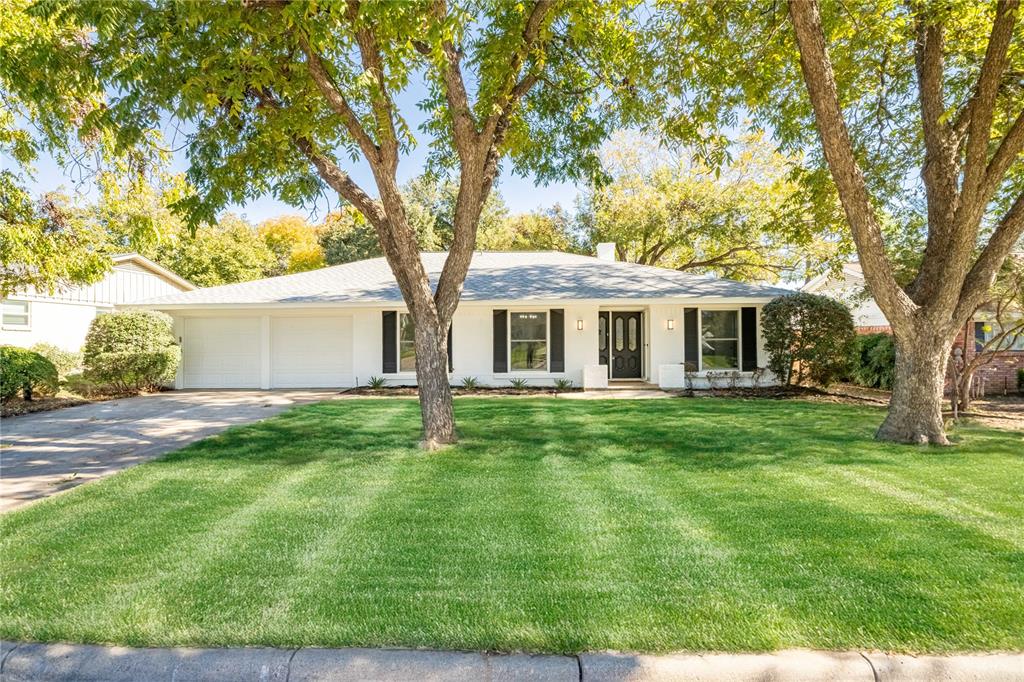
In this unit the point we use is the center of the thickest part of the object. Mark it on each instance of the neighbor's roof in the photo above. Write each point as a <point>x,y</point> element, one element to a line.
<point>155,268</point>
<point>493,276</point>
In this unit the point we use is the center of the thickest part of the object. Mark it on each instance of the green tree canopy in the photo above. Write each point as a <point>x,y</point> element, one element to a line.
<point>294,243</point>
<point>345,236</point>
<point>224,253</point>
<point>47,244</point>
<point>747,219</point>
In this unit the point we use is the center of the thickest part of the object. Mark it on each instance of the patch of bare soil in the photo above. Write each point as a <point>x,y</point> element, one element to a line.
<point>1002,412</point>
<point>833,394</point>
<point>17,406</point>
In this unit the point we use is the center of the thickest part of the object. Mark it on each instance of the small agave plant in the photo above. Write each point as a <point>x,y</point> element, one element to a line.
<point>562,385</point>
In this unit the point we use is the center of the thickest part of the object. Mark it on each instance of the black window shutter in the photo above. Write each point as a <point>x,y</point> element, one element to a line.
<point>500,341</point>
<point>979,336</point>
<point>389,340</point>
<point>748,332</point>
<point>451,366</point>
<point>690,346</point>
<point>557,340</point>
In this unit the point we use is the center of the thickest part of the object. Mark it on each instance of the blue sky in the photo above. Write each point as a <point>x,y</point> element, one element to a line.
<point>521,194</point>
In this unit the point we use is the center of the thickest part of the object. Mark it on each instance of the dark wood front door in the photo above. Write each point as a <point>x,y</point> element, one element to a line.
<point>626,345</point>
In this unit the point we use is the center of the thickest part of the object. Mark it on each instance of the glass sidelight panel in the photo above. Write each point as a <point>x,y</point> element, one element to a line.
<point>602,333</point>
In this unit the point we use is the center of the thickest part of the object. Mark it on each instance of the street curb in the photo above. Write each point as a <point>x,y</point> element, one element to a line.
<point>85,663</point>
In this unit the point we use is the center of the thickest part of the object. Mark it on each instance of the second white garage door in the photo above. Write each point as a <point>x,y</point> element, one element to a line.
<point>311,352</point>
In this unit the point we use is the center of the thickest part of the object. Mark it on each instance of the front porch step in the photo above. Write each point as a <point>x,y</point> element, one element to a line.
<point>630,385</point>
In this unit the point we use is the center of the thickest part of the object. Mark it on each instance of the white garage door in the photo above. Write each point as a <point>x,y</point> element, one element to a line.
<point>311,352</point>
<point>221,352</point>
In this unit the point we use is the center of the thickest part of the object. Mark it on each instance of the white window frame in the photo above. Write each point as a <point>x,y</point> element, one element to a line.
<point>1017,346</point>
<point>14,326</point>
<point>398,349</point>
<point>739,339</point>
<point>547,340</point>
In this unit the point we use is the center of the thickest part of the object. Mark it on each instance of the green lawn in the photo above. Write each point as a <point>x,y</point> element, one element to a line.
<point>556,525</point>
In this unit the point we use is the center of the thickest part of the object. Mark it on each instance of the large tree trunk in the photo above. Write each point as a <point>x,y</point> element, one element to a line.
<point>960,177</point>
<point>915,410</point>
<point>434,389</point>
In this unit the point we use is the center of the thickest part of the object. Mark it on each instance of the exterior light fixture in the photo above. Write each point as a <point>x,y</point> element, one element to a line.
<point>579,325</point>
<point>670,324</point>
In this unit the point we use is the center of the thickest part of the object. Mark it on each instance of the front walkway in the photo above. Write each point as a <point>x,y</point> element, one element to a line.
<point>83,663</point>
<point>46,452</point>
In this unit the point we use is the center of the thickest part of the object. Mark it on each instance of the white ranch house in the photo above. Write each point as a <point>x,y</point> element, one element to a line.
<point>539,316</point>
<point>62,318</point>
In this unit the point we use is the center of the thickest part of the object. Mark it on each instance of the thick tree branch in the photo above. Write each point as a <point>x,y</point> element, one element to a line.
<point>380,99</point>
<point>515,88</point>
<point>334,176</point>
<point>337,101</point>
<point>982,107</point>
<point>982,274</point>
<point>463,122</point>
<point>928,59</point>
<point>396,249</point>
<point>479,153</point>
<point>1006,153</point>
<point>941,165</point>
<point>835,137</point>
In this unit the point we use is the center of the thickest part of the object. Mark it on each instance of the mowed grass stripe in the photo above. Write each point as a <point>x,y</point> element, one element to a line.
<point>555,525</point>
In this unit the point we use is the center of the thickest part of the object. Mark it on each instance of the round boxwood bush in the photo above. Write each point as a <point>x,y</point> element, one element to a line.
<point>25,371</point>
<point>131,351</point>
<point>808,338</point>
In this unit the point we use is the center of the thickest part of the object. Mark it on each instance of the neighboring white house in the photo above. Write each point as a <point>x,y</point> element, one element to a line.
<point>63,318</point>
<point>850,289</point>
<point>539,316</point>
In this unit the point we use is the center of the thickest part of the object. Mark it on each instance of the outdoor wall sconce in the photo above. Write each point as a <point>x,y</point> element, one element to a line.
<point>579,325</point>
<point>670,324</point>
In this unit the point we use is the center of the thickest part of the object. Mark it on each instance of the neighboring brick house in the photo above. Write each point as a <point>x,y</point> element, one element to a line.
<point>997,376</point>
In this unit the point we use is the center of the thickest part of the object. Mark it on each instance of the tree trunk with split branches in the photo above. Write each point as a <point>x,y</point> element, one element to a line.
<point>963,169</point>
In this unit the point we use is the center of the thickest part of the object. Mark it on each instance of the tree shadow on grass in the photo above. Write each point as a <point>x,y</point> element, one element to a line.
<point>709,434</point>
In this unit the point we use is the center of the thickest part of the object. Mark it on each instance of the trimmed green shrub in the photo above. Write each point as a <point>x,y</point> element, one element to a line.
<point>1020,379</point>
<point>808,338</point>
<point>131,351</point>
<point>25,371</point>
<point>874,361</point>
<point>66,361</point>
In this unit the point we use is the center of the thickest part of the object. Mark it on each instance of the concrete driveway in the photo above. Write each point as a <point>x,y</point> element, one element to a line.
<point>46,452</point>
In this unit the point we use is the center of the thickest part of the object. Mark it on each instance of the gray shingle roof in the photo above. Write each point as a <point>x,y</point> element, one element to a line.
<point>493,276</point>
